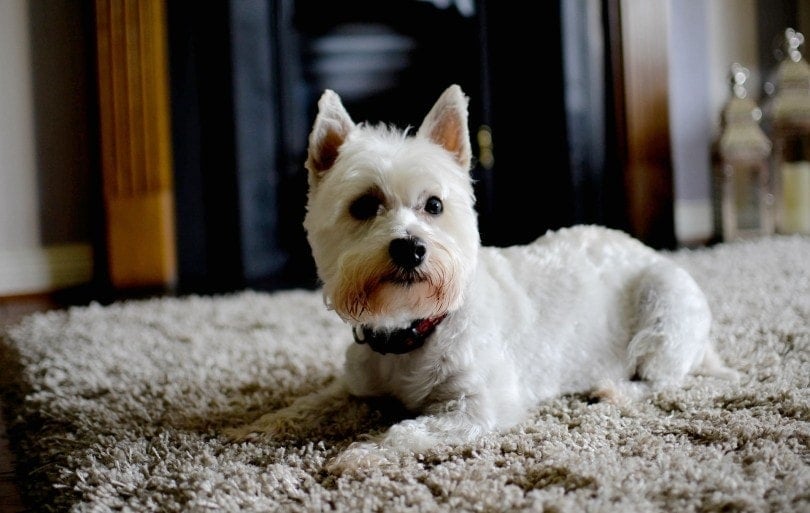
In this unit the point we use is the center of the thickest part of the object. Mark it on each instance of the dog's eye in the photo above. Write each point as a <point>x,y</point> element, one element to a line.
<point>434,206</point>
<point>365,207</point>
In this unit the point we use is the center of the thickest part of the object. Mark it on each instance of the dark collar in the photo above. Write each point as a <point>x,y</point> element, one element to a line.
<point>399,341</point>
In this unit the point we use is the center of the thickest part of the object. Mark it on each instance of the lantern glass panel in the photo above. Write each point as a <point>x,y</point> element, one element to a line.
<point>749,209</point>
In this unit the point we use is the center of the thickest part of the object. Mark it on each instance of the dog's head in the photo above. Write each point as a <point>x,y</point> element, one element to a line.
<point>390,216</point>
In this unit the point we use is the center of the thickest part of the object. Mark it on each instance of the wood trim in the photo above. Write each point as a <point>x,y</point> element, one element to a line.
<point>644,28</point>
<point>44,269</point>
<point>136,155</point>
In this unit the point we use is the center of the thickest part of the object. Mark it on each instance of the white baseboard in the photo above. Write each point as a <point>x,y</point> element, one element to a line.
<point>694,221</point>
<point>44,269</point>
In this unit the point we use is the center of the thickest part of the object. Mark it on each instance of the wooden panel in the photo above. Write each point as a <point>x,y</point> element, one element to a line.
<point>136,142</point>
<point>648,160</point>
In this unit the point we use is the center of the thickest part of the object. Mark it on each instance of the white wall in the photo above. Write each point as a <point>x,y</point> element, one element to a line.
<point>44,148</point>
<point>19,226</point>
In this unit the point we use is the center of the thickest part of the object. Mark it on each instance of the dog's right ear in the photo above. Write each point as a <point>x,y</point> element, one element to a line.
<point>332,126</point>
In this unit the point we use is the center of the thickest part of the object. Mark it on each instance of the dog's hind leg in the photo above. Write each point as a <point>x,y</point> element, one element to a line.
<point>673,321</point>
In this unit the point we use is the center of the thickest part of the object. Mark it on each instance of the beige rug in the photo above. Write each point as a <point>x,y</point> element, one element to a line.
<point>119,408</point>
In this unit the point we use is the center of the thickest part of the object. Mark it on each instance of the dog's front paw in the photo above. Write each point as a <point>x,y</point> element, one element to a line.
<point>360,458</point>
<point>246,433</point>
<point>269,426</point>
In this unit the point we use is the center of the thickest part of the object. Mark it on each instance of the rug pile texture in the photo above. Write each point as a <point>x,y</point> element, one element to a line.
<point>121,408</point>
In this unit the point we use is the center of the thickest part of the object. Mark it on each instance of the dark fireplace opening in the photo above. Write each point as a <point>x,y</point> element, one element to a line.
<point>246,76</point>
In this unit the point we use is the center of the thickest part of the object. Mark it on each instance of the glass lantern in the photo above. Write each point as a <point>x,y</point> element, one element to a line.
<point>746,201</point>
<point>790,133</point>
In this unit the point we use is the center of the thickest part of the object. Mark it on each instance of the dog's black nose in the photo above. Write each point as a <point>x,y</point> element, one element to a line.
<point>408,252</point>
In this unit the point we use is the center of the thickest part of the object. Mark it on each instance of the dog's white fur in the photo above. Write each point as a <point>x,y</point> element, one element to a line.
<point>575,310</point>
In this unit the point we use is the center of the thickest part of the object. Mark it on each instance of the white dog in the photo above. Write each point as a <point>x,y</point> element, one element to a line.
<point>470,338</point>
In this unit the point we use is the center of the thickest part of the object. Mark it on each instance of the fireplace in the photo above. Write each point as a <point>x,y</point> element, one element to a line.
<point>244,77</point>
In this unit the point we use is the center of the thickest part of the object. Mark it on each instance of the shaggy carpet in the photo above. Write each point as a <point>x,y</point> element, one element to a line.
<point>120,408</point>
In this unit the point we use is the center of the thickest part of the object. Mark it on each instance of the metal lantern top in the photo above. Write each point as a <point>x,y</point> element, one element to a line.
<point>791,105</point>
<point>742,138</point>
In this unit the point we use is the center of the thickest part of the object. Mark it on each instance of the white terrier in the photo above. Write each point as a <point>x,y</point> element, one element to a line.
<point>471,338</point>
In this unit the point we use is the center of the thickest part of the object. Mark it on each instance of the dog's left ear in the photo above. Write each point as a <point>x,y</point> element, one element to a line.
<point>446,125</point>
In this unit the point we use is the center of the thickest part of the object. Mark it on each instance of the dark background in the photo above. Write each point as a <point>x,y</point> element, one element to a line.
<point>246,76</point>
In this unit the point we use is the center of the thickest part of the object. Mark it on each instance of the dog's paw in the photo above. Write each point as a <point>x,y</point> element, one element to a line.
<point>270,426</point>
<point>246,433</point>
<point>724,373</point>
<point>621,393</point>
<point>713,366</point>
<point>360,458</point>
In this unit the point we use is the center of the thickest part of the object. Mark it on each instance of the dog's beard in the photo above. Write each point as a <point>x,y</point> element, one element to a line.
<point>369,289</point>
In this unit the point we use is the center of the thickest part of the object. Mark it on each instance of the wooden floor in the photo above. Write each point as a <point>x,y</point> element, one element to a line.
<point>12,310</point>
